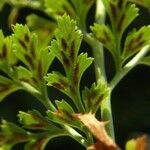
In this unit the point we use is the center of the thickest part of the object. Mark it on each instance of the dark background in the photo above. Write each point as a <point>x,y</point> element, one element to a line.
<point>130,99</point>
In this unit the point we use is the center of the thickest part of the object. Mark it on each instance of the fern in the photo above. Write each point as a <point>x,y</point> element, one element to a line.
<point>27,55</point>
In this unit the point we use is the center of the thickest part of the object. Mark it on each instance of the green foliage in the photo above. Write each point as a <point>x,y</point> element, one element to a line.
<point>7,61</point>
<point>43,28</point>
<point>104,35</point>
<point>136,40</point>
<point>11,135</point>
<point>34,120</point>
<point>7,56</point>
<point>28,53</point>
<point>65,48</point>
<point>81,8</point>
<point>67,43</point>
<point>26,47</point>
<point>6,87</point>
<point>95,95</point>
<point>121,14</point>
<point>63,115</point>
<point>143,3</point>
<point>57,8</point>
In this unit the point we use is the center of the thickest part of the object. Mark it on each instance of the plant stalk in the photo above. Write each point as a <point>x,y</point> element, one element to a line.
<point>132,63</point>
<point>106,112</point>
<point>98,53</point>
<point>75,135</point>
<point>43,97</point>
<point>98,57</point>
<point>106,115</point>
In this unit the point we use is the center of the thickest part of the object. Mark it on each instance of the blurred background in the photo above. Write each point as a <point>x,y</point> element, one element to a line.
<point>130,99</point>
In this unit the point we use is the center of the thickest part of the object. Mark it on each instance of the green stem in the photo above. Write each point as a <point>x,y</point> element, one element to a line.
<point>47,103</point>
<point>78,101</point>
<point>98,52</point>
<point>98,57</point>
<point>106,104</point>
<point>132,63</point>
<point>75,135</point>
<point>67,132</point>
<point>99,61</point>
<point>45,99</point>
<point>47,134</point>
<point>97,47</point>
<point>81,109</point>
<point>42,96</point>
<point>106,114</point>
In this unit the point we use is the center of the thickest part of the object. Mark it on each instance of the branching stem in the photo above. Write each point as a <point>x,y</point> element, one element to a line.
<point>99,61</point>
<point>132,63</point>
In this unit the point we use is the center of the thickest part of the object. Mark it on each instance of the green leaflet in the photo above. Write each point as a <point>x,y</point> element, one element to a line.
<point>143,3</point>
<point>34,120</point>
<point>95,95</point>
<point>74,8</point>
<point>63,105</point>
<point>104,35</point>
<point>27,119</point>
<point>81,9</point>
<point>11,134</point>
<point>65,114</point>
<point>121,14</point>
<point>60,82</point>
<point>23,74</point>
<point>131,12</point>
<point>7,61</point>
<point>7,87</point>
<point>43,28</point>
<point>68,40</point>
<point>58,8</point>
<point>82,6</point>
<point>23,46</point>
<point>26,48</point>
<point>65,48</point>
<point>69,85</point>
<point>135,41</point>
<point>83,62</point>
<point>7,57</point>
<point>113,8</point>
